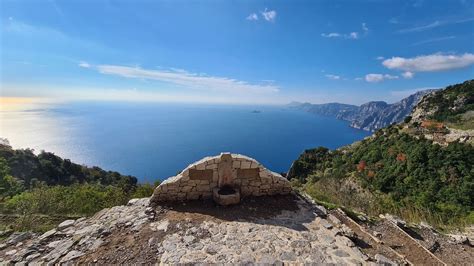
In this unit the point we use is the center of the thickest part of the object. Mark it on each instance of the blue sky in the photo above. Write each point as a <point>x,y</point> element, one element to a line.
<point>234,51</point>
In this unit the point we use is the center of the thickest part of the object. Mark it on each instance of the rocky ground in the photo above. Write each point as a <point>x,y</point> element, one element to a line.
<point>263,230</point>
<point>287,229</point>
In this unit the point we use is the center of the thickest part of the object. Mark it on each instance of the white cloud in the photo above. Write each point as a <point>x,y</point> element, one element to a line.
<point>408,74</point>
<point>333,77</point>
<point>374,78</point>
<point>331,35</point>
<point>352,35</point>
<point>84,64</point>
<point>252,17</point>
<point>365,29</point>
<point>187,79</point>
<point>269,15</point>
<point>430,63</point>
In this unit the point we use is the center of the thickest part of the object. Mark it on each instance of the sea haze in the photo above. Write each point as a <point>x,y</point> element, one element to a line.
<point>155,141</point>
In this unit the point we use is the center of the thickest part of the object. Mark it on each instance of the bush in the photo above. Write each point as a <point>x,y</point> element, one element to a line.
<point>401,171</point>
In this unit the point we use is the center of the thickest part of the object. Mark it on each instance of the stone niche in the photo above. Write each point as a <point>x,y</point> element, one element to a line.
<point>201,179</point>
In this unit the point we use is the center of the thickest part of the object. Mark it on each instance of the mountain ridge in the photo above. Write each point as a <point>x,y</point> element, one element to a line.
<point>369,116</point>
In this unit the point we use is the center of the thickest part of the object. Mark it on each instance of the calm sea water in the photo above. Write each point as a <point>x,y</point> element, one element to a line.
<point>155,141</point>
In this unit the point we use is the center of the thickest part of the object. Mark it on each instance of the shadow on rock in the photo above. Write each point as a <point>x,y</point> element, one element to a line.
<point>281,210</point>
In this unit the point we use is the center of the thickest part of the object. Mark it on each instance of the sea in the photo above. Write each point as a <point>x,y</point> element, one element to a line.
<point>154,141</point>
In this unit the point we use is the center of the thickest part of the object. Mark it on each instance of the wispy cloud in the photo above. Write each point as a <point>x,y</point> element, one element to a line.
<point>269,15</point>
<point>352,35</point>
<point>393,21</point>
<point>434,24</point>
<point>84,64</point>
<point>408,75</point>
<point>374,78</point>
<point>187,79</point>
<point>252,17</point>
<point>430,63</point>
<point>434,40</point>
<point>333,77</point>
<point>331,35</point>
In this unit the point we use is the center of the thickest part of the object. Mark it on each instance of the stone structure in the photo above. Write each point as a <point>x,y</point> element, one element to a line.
<point>201,179</point>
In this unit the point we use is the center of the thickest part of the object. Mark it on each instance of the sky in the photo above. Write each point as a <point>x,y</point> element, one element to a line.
<point>249,52</point>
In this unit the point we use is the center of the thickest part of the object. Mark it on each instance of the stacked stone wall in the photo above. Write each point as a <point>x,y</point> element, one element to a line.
<point>198,180</point>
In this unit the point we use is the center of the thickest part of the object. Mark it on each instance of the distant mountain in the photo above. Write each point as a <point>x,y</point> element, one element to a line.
<point>369,116</point>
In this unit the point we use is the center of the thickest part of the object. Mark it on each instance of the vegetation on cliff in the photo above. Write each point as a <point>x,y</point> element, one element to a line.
<point>393,172</point>
<point>38,190</point>
<point>453,105</point>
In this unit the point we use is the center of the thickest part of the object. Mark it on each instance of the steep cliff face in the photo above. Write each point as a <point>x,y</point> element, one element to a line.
<point>369,116</point>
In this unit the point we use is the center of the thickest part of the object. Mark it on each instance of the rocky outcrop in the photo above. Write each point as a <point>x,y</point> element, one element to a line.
<point>198,180</point>
<point>370,116</point>
<point>278,229</point>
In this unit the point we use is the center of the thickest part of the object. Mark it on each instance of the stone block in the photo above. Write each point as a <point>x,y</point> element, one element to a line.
<point>236,164</point>
<point>186,188</point>
<point>266,180</point>
<point>252,173</point>
<point>201,166</point>
<point>215,176</point>
<point>211,166</point>
<point>245,164</point>
<point>255,183</point>
<point>193,195</point>
<point>203,188</point>
<point>195,174</point>
<point>192,183</point>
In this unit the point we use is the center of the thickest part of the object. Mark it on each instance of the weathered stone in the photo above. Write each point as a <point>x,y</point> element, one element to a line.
<point>234,170</point>
<point>326,224</point>
<point>11,252</point>
<point>186,188</point>
<point>200,174</point>
<point>245,164</point>
<point>73,254</point>
<point>18,237</point>
<point>65,224</point>
<point>47,234</point>
<point>341,253</point>
<point>384,260</point>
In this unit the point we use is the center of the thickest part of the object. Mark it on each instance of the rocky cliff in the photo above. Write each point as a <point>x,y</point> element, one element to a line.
<point>369,116</point>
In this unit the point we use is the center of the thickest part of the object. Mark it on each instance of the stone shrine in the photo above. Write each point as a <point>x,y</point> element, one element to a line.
<point>225,178</point>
